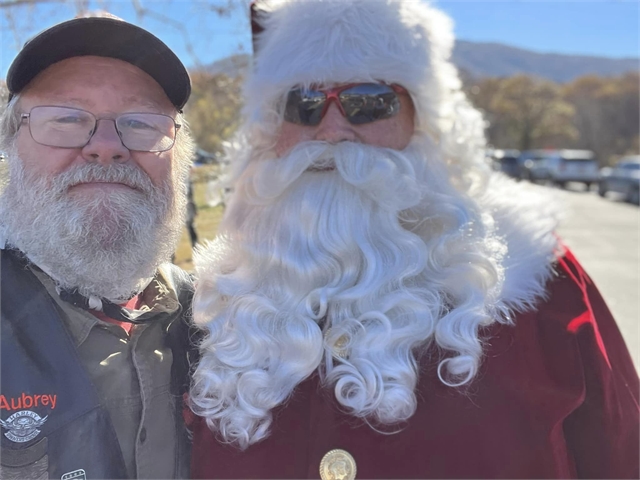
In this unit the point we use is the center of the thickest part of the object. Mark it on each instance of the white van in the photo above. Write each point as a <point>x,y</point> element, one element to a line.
<point>572,166</point>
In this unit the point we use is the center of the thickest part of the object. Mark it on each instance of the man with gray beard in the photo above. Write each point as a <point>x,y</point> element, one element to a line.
<point>94,329</point>
<point>377,303</point>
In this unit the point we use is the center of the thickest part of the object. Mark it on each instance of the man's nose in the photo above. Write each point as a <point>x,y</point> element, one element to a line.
<point>334,127</point>
<point>105,145</point>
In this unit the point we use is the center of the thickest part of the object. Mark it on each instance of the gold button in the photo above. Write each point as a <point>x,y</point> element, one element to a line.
<point>338,465</point>
<point>340,348</point>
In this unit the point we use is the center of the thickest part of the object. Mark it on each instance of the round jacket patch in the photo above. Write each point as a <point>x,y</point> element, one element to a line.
<point>23,426</point>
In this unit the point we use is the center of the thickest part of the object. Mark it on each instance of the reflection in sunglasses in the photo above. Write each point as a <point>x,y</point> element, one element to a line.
<point>359,103</point>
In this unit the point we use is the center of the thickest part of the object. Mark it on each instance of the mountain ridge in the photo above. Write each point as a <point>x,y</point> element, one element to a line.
<point>492,59</point>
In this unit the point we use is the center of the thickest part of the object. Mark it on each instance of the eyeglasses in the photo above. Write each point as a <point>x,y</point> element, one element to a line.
<point>359,102</point>
<point>66,127</point>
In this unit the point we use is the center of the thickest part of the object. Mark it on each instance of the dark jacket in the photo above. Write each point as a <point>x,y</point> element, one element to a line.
<point>53,423</point>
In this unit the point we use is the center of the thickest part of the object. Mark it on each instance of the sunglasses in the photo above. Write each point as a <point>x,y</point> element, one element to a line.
<point>360,103</point>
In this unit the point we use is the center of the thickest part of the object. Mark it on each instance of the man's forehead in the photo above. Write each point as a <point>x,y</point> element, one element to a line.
<point>63,98</point>
<point>76,80</point>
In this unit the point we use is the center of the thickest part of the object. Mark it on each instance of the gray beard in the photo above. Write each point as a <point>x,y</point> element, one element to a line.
<point>109,244</point>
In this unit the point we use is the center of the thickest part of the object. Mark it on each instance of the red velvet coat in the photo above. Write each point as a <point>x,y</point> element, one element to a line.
<point>556,396</point>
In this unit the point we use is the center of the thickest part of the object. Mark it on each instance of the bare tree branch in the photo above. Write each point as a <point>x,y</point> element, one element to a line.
<point>16,14</point>
<point>17,3</point>
<point>142,12</point>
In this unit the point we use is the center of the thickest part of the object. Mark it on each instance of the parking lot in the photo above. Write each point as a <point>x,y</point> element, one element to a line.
<point>604,233</point>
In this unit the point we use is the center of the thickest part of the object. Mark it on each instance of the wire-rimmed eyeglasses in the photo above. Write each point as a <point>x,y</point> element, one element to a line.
<point>67,127</point>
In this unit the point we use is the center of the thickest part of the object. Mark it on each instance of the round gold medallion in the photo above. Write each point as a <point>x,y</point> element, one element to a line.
<point>339,349</point>
<point>338,465</point>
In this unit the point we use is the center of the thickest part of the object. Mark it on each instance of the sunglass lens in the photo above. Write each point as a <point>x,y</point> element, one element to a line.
<point>368,102</point>
<point>304,107</point>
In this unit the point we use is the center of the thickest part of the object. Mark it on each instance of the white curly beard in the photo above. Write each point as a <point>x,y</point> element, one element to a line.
<point>370,260</point>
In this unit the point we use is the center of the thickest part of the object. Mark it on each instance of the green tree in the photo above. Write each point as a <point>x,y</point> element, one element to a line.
<point>4,92</point>
<point>481,94</point>
<point>607,114</point>
<point>213,111</point>
<point>531,113</point>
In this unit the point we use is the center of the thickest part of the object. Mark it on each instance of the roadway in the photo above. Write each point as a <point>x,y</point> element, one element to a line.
<point>604,234</point>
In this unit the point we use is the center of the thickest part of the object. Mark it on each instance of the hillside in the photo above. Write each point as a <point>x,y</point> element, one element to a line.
<point>498,60</point>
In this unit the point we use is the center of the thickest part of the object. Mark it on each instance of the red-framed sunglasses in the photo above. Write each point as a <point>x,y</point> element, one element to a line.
<point>360,103</point>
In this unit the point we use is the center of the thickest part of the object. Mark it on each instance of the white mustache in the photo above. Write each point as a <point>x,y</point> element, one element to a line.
<point>374,170</point>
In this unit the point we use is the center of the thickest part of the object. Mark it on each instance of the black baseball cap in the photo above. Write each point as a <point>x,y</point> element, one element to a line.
<point>102,37</point>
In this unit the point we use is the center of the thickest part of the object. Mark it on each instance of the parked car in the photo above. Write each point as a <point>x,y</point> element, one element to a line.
<point>533,166</point>
<point>565,166</point>
<point>624,178</point>
<point>506,161</point>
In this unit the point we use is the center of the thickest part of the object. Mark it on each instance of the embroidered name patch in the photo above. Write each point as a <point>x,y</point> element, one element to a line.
<point>23,426</point>
<point>25,401</point>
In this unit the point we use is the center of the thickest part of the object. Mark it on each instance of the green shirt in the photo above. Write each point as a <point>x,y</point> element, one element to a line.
<point>132,375</point>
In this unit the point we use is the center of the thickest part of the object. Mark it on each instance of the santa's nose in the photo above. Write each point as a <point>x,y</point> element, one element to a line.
<point>334,127</point>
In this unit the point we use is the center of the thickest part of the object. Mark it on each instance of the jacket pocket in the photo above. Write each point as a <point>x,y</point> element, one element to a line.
<point>31,463</point>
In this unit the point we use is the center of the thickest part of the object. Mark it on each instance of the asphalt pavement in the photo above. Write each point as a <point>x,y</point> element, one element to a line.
<point>604,234</point>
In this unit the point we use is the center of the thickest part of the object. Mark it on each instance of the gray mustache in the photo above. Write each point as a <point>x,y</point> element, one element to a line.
<point>128,175</point>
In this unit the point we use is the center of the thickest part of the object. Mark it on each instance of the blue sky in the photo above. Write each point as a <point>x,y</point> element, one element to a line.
<point>602,28</point>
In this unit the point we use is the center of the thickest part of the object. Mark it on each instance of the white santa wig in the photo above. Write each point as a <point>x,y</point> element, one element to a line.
<point>324,42</point>
<point>360,269</point>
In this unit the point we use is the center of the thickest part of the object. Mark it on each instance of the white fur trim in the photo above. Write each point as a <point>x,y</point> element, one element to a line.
<point>525,217</point>
<point>407,42</point>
